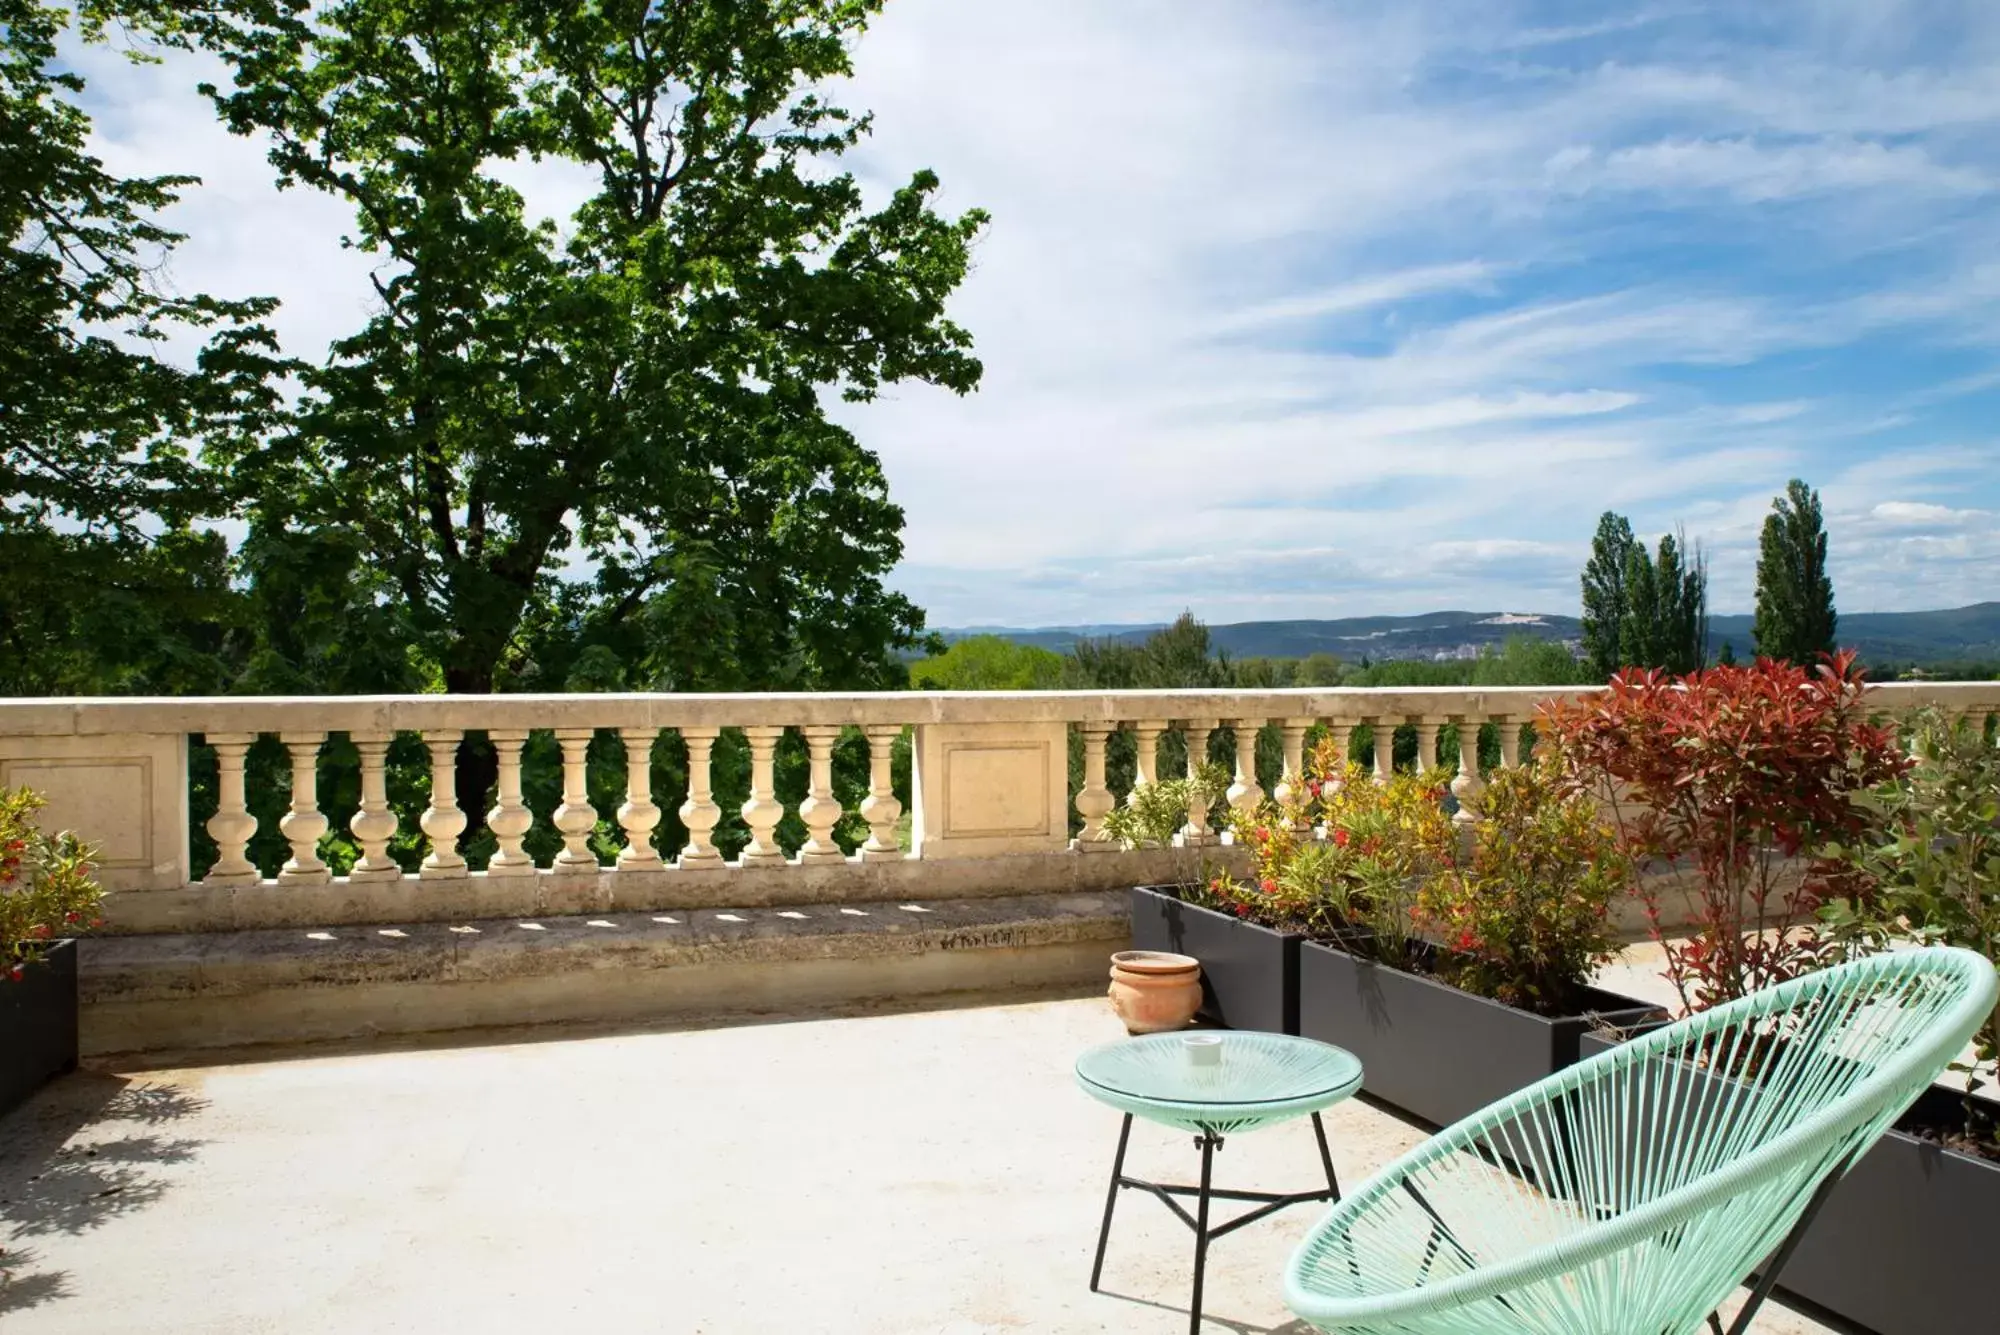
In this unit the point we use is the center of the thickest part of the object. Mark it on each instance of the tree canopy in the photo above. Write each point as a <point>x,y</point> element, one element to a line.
<point>113,584</point>
<point>1795,619</point>
<point>595,452</point>
<point>1640,609</point>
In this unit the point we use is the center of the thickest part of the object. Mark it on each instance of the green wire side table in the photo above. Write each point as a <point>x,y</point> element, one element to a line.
<point>1215,1083</point>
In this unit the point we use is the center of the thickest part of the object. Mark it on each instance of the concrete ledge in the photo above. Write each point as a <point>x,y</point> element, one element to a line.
<point>240,989</point>
<point>222,908</point>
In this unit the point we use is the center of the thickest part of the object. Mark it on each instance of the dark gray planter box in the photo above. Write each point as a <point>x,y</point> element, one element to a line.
<point>1249,974</point>
<point>1436,1052</point>
<point>38,1025</point>
<point>1903,1244</point>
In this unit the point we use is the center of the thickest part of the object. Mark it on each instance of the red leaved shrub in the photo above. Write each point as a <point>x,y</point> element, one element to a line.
<point>1727,782</point>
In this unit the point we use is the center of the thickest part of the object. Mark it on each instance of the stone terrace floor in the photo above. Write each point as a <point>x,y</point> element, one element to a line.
<point>923,1172</point>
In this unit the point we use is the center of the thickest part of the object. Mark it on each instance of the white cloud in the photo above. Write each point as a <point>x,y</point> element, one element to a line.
<point>1361,294</point>
<point>1753,172</point>
<point>1303,310</point>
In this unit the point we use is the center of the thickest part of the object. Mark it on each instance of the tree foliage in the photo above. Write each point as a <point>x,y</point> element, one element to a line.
<point>1795,620</point>
<point>989,663</point>
<point>1643,610</point>
<point>1604,593</point>
<point>597,453</point>
<point>103,488</point>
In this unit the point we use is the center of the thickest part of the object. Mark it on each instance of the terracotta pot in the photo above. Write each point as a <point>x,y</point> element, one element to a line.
<point>1154,992</point>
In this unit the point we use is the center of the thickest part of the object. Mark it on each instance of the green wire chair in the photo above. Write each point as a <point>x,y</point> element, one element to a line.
<point>1632,1193</point>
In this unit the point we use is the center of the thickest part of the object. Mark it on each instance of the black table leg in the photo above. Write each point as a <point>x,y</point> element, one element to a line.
<point>1208,1142</point>
<point>1326,1158</point>
<point>1111,1201</point>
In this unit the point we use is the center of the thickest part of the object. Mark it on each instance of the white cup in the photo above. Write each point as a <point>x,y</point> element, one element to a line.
<point>1203,1049</point>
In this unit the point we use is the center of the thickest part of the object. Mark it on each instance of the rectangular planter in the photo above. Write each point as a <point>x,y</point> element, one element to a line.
<point>1249,974</point>
<point>1902,1244</point>
<point>38,1025</point>
<point>1428,1048</point>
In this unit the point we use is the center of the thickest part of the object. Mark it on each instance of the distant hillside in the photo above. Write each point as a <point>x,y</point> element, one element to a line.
<point>1882,637</point>
<point>1956,633</point>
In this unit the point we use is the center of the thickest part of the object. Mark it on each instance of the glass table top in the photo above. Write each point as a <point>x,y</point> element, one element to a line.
<point>1249,1069</point>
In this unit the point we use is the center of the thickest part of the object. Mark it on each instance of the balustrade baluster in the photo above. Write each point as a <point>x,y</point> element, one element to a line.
<point>1468,785</point>
<point>881,809</point>
<point>763,811</point>
<point>1383,731</point>
<point>374,823</point>
<point>820,811</point>
<point>1094,800</point>
<point>638,814</point>
<point>700,813</point>
<point>1196,833</point>
<point>304,823</point>
<point>1343,750</point>
<point>1146,757</point>
<point>576,818</point>
<point>1291,782</point>
<point>232,824</point>
<point>1427,744</point>
<point>510,820</point>
<point>1510,742</point>
<point>1245,794</point>
<point>443,819</point>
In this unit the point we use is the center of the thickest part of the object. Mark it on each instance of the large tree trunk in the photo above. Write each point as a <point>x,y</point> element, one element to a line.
<point>478,767</point>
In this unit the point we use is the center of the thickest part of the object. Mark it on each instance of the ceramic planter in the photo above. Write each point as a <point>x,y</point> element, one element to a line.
<point>1154,992</point>
<point>38,1025</point>
<point>1249,974</point>
<point>1430,1049</point>
<point>1902,1244</point>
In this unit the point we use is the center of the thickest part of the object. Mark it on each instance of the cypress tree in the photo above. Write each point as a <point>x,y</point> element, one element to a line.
<point>1795,619</point>
<point>1604,594</point>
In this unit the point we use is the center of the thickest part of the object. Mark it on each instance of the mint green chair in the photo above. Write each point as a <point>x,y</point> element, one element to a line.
<point>1632,1193</point>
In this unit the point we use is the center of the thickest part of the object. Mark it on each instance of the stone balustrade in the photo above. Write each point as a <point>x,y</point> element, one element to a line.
<point>990,785</point>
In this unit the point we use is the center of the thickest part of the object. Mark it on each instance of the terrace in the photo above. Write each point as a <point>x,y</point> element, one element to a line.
<point>823,1089</point>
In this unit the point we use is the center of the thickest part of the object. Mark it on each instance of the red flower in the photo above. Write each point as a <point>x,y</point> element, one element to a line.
<point>1340,837</point>
<point>1269,886</point>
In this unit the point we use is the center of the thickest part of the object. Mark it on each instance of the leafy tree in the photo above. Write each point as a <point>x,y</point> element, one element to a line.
<point>1666,613</point>
<point>1604,593</point>
<point>598,454</point>
<point>1795,619</point>
<point>1642,609</point>
<point>113,584</point>
<point>989,663</point>
<point>1528,660</point>
<point>1639,628</point>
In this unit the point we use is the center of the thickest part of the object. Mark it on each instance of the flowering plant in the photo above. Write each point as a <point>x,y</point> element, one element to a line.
<point>1357,883</point>
<point>1526,920</point>
<point>1730,781</point>
<point>1932,871</point>
<point>46,889</point>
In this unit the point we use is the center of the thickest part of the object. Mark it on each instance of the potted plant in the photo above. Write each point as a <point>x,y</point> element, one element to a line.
<point>1767,795</point>
<point>1902,1244</point>
<point>47,896</point>
<point>1249,962</point>
<point>1723,785</point>
<point>1469,975</point>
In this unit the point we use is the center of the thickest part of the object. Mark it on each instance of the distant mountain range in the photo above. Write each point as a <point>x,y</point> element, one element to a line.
<point>1882,637</point>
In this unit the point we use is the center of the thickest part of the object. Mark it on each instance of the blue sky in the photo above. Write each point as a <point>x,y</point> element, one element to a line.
<point>1322,310</point>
